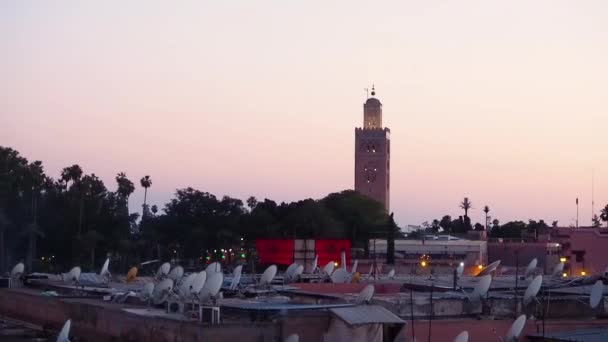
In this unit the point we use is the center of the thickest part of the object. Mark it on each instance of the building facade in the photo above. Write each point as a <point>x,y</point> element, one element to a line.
<point>372,154</point>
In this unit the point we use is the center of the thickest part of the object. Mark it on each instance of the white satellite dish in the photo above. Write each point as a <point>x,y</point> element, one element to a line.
<point>489,269</point>
<point>597,292</point>
<point>176,273</point>
<point>354,269</point>
<point>236,277</point>
<point>516,329</point>
<point>343,259</point>
<point>531,267</point>
<point>340,276</point>
<point>290,270</point>
<point>104,269</point>
<point>365,295</point>
<point>213,267</point>
<point>268,275</point>
<point>146,292</point>
<point>298,271</point>
<point>459,272</point>
<point>314,264</point>
<point>212,286</point>
<point>74,274</point>
<point>198,283</point>
<point>557,270</point>
<point>64,334</point>
<point>532,289</point>
<point>163,269</point>
<point>391,274</point>
<point>481,288</point>
<point>292,338</point>
<point>462,337</point>
<point>161,291</point>
<point>329,268</point>
<point>17,270</point>
<point>186,284</point>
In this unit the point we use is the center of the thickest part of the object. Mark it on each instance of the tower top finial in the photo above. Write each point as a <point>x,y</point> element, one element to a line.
<point>373,90</point>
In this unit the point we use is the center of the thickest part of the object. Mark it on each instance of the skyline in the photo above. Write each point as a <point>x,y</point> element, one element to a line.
<point>244,99</point>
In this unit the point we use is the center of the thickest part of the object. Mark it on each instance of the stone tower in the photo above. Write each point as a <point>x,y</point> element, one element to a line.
<point>372,154</point>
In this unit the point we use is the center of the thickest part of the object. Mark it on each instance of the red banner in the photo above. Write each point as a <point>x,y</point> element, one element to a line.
<point>281,252</point>
<point>274,251</point>
<point>330,250</point>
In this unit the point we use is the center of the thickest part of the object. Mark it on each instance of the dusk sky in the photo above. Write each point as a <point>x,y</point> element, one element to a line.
<point>505,102</point>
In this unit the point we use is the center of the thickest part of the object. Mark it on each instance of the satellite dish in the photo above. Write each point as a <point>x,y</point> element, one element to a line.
<point>212,286</point>
<point>329,268</point>
<point>391,274</point>
<point>354,269</point>
<point>236,277</point>
<point>489,269</point>
<point>104,269</point>
<point>17,270</point>
<point>146,291</point>
<point>597,292</point>
<point>186,284</point>
<point>558,269</point>
<point>268,275</point>
<point>64,334</point>
<point>365,295</point>
<point>198,283</point>
<point>292,338</point>
<point>516,329</point>
<point>131,275</point>
<point>343,259</point>
<point>290,270</point>
<point>531,267</point>
<point>314,264</point>
<point>163,269</point>
<point>74,274</point>
<point>213,267</point>
<point>481,288</point>
<point>298,271</point>
<point>462,337</point>
<point>339,276</point>
<point>176,273</point>
<point>533,288</point>
<point>161,291</point>
<point>459,272</point>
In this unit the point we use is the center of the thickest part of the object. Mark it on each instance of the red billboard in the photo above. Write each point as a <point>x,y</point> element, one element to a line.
<point>281,252</point>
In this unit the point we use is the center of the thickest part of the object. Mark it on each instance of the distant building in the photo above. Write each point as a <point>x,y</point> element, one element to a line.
<point>519,252</point>
<point>585,249</point>
<point>372,154</point>
<point>441,254</point>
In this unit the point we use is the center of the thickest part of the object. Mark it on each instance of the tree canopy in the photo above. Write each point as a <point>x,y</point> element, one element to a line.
<point>77,219</point>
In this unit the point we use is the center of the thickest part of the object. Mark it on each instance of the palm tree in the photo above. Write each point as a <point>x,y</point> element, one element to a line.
<point>486,210</point>
<point>466,205</point>
<point>125,186</point>
<point>604,215</point>
<point>145,182</point>
<point>71,173</point>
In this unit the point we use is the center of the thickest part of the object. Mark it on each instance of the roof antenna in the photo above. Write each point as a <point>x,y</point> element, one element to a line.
<point>373,90</point>
<point>592,193</point>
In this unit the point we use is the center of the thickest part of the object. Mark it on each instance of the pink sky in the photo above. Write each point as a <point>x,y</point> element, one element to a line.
<point>503,102</point>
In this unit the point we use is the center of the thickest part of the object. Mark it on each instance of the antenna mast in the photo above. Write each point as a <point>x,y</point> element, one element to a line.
<point>592,195</point>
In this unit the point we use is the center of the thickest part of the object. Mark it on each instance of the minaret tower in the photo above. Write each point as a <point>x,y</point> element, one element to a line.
<point>372,153</point>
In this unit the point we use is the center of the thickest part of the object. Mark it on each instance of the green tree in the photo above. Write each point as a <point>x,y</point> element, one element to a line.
<point>604,215</point>
<point>446,223</point>
<point>595,221</point>
<point>391,231</point>
<point>145,182</point>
